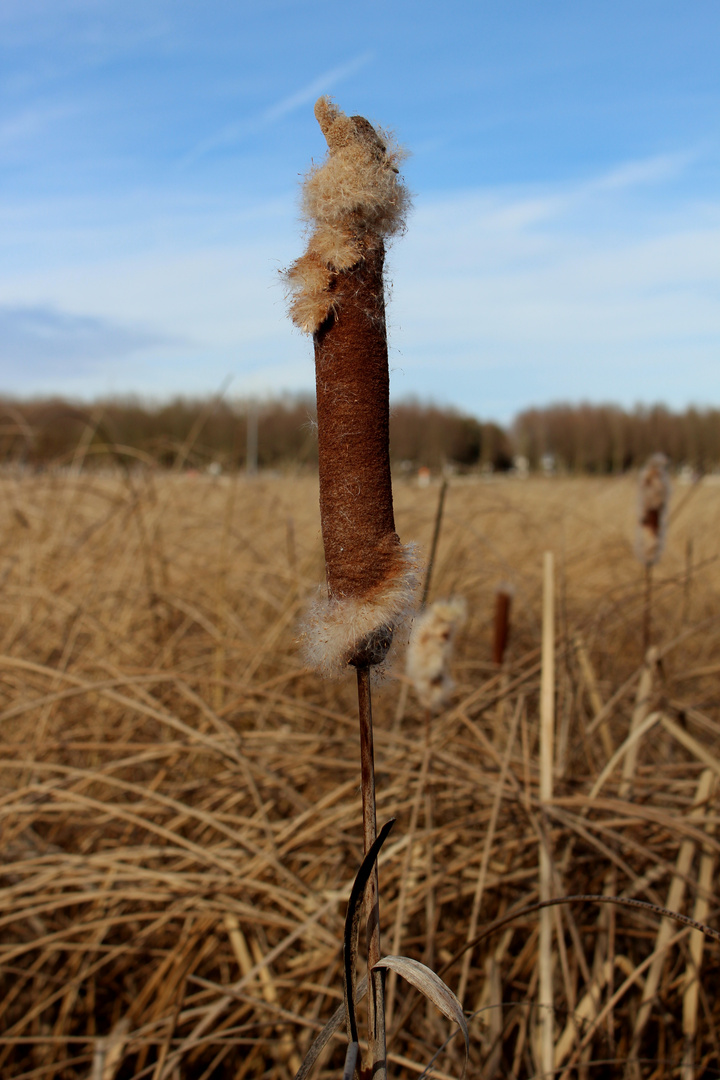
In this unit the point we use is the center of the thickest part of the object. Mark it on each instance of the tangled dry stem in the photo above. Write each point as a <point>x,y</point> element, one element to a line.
<point>179,795</point>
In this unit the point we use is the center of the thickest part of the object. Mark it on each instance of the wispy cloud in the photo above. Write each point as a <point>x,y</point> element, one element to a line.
<point>502,297</point>
<point>42,341</point>
<point>32,125</point>
<point>308,94</point>
<point>235,133</point>
<point>584,289</point>
<point>653,170</point>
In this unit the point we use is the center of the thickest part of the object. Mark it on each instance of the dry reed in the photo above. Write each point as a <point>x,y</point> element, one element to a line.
<point>174,783</point>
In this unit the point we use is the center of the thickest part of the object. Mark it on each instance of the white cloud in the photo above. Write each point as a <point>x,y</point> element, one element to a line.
<point>519,296</point>
<point>43,347</point>
<point>652,170</point>
<point>27,124</point>
<point>501,297</point>
<point>308,94</point>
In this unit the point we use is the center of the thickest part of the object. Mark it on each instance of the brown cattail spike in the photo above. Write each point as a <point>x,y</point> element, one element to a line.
<point>501,623</point>
<point>354,200</point>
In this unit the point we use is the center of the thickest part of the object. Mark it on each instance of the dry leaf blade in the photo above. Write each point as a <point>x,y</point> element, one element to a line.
<point>431,985</point>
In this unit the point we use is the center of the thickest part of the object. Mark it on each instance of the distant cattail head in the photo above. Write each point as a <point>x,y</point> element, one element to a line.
<point>653,504</point>
<point>501,622</point>
<point>430,651</point>
<point>353,201</point>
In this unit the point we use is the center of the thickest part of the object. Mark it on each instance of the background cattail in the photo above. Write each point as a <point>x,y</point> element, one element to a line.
<point>501,622</point>
<point>430,651</point>
<point>653,503</point>
<point>353,201</point>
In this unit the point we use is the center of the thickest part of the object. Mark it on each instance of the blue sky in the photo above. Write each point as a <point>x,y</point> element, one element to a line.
<point>565,167</point>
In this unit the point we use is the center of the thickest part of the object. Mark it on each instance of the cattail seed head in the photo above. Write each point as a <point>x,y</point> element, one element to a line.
<point>501,622</point>
<point>353,201</point>
<point>653,505</point>
<point>430,651</point>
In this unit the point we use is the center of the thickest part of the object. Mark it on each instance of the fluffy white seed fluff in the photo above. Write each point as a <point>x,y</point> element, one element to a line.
<point>334,628</point>
<point>430,651</point>
<point>354,193</point>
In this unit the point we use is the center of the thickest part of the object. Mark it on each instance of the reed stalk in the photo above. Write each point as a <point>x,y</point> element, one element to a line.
<point>674,901</point>
<point>647,608</point>
<point>434,544</point>
<point>376,994</point>
<point>691,992</point>
<point>687,584</point>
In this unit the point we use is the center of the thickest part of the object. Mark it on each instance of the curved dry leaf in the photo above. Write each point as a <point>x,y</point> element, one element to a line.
<point>431,985</point>
<point>352,920</point>
<point>353,993</point>
<point>334,1024</point>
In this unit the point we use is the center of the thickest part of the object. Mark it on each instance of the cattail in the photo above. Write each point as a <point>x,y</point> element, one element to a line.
<point>501,622</point>
<point>430,651</point>
<point>653,503</point>
<point>353,202</point>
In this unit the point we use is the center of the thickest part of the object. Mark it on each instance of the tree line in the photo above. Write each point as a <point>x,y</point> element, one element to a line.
<point>608,439</point>
<point>236,434</point>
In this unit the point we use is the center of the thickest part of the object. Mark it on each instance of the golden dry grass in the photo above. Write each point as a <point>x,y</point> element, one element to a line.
<point>179,797</point>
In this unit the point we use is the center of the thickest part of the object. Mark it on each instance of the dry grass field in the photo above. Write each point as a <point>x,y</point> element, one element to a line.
<point>179,796</point>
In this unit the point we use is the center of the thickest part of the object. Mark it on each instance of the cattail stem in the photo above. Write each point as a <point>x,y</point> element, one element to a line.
<point>376,998</point>
<point>687,589</point>
<point>647,610</point>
